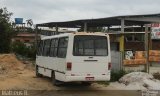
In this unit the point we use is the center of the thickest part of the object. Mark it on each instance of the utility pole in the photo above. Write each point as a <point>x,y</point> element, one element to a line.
<point>121,40</point>
<point>147,49</point>
<point>85,27</point>
<point>36,37</point>
<point>56,29</point>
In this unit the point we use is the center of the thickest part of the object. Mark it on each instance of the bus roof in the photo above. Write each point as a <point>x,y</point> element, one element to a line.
<point>76,33</point>
<point>56,36</point>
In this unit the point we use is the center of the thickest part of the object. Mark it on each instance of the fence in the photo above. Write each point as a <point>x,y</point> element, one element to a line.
<point>116,60</point>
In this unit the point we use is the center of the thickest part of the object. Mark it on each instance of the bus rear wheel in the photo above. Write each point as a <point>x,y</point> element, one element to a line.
<point>54,81</point>
<point>86,83</point>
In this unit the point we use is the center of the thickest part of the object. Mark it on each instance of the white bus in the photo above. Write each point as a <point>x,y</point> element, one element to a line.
<point>69,57</point>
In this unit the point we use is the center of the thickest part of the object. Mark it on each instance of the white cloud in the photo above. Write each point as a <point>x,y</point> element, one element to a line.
<point>63,10</point>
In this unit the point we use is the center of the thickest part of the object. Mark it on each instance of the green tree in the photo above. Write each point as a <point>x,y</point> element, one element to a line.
<point>5,30</point>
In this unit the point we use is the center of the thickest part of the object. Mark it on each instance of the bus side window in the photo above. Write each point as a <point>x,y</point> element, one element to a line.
<point>38,48</point>
<point>62,47</point>
<point>46,47</point>
<point>43,48</point>
<point>53,48</point>
<point>56,47</point>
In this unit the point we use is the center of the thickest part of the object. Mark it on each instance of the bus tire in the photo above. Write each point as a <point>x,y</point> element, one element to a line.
<point>54,81</point>
<point>86,83</point>
<point>37,73</point>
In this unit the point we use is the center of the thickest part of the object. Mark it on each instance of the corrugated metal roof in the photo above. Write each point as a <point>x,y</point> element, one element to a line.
<point>101,22</point>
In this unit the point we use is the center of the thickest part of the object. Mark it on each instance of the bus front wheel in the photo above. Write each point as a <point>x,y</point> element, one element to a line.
<point>37,73</point>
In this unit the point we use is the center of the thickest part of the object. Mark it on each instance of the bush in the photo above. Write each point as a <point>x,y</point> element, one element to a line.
<point>21,49</point>
<point>106,83</point>
<point>115,76</point>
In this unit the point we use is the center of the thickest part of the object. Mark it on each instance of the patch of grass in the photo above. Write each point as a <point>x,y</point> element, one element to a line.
<point>115,76</point>
<point>106,83</point>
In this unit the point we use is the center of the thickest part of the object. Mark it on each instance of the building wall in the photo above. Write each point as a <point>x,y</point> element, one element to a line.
<point>140,46</point>
<point>136,46</point>
<point>24,39</point>
<point>156,45</point>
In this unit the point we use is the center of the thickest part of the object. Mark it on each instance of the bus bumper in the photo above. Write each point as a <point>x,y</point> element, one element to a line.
<point>87,78</point>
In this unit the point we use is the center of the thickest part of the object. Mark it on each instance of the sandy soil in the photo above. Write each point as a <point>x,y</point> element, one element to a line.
<point>16,75</point>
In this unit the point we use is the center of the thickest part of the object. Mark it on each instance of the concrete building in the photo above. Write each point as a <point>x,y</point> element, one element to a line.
<point>27,38</point>
<point>123,38</point>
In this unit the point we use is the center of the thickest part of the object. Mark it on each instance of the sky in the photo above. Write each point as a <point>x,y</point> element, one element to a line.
<point>42,11</point>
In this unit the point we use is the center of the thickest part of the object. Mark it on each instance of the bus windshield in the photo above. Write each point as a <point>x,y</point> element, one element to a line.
<point>90,45</point>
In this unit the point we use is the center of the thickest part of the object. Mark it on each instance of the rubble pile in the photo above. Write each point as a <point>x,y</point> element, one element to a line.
<point>141,79</point>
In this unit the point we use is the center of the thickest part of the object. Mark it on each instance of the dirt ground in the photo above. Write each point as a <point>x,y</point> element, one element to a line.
<point>14,74</point>
<point>19,75</point>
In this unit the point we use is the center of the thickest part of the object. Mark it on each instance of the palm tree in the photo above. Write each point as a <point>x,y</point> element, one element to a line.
<point>29,22</point>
